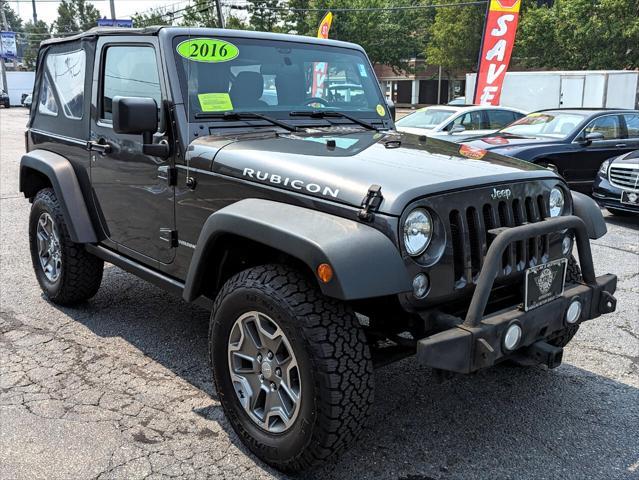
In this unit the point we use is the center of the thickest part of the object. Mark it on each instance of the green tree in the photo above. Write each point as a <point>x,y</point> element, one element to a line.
<point>201,14</point>
<point>297,21</point>
<point>76,16</point>
<point>580,34</point>
<point>147,19</point>
<point>35,33</point>
<point>13,19</point>
<point>235,23</point>
<point>264,15</point>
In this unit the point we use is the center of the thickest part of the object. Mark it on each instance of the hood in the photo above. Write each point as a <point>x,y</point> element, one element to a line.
<point>508,142</point>
<point>628,158</point>
<point>341,165</point>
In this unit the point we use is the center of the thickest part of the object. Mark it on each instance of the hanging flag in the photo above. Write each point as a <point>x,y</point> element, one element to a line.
<point>497,46</point>
<point>320,69</point>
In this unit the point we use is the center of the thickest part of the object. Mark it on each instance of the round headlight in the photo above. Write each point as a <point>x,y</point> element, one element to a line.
<point>556,202</point>
<point>418,230</point>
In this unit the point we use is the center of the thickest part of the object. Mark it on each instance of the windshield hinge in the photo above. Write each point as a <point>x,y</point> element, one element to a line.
<point>371,203</point>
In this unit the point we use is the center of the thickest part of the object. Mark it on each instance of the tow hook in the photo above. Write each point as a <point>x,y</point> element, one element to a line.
<point>607,302</point>
<point>542,352</point>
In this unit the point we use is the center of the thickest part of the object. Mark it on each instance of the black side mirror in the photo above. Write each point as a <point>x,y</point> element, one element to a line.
<point>391,108</point>
<point>136,115</point>
<point>592,136</point>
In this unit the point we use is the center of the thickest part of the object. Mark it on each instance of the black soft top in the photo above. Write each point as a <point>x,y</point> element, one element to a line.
<point>191,31</point>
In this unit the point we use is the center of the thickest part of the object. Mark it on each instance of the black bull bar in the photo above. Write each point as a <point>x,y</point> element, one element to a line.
<point>477,341</point>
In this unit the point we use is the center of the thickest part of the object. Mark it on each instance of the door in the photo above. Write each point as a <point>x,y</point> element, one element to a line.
<point>632,131</point>
<point>583,168</point>
<point>130,188</point>
<point>572,92</point>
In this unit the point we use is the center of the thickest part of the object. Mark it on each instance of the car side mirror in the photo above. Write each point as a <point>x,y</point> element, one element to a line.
<point>391,108</point>
<point>456,129</point>
<point>592,136</point>
<point>137,115</point>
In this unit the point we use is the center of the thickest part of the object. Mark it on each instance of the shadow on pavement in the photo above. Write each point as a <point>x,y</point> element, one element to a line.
<point>506,422</point>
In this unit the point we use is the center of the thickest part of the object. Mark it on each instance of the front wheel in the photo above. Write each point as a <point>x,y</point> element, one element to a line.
<point>292,368</point>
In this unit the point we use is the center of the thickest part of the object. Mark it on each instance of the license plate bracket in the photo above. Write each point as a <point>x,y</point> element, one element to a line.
<point>544,283</point>
<point>629,198</point>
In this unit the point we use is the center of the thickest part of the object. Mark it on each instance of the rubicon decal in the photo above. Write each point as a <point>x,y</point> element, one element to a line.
<point>294,183</point>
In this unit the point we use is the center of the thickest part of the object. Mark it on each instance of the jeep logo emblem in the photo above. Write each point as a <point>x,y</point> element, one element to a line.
<point>504,193</point>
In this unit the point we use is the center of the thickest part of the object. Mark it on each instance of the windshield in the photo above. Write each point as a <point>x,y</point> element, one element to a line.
<point>546,124</point>
<point>428,118</point>
<point>275,78</point>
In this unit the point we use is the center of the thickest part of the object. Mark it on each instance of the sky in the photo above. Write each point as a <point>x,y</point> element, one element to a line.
<point>47,9</point>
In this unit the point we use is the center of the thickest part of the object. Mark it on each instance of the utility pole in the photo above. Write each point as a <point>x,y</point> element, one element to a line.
<point>220,17</point>
<point>35,14</point>
<point>112,9</point>
<point>5,26</point>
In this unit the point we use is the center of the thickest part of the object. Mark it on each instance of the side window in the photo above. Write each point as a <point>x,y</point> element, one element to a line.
<point>470,121</point>
<point>47,104</point>
<point>632,123</point>
<point>499,118</point>
<point>129,72</point>
<point>63,80</point>
<point>608,126</point>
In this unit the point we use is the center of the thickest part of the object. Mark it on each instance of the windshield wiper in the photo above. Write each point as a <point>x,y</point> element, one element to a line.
<point>323,114</point>
<point>246,115</point>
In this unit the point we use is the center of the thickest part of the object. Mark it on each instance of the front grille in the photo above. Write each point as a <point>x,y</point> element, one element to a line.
<point>471,236</point>
<point>625,176</point>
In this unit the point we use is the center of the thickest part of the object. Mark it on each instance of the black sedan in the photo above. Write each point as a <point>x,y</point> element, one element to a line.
<point>617,184</point>
<point>573,142</point>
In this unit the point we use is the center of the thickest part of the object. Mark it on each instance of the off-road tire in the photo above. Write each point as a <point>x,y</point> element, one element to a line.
<point>563,337</point>
<point>334,359</point>
<point>81,272</point>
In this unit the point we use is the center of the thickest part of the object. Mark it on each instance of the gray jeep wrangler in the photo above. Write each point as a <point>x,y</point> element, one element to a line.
<point>260,176</point>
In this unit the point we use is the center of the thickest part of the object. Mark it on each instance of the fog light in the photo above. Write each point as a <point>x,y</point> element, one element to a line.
<point>566,245</point>
<point>574,311</point>
<point>420,285</point>
<point>512,337</point>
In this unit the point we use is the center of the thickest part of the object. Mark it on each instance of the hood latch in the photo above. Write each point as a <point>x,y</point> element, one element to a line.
<point>371,203</point>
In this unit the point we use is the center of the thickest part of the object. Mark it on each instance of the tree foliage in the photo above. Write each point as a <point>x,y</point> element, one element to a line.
<point>201,14</point>
<point>580,34</point>
<point>76,16</point>
<point>153,17</point>
<point>35,33</point>
<point>13,19</point>
<point>265,15</point>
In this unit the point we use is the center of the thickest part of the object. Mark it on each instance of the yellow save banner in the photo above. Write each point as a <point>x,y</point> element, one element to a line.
<point>321,68</point>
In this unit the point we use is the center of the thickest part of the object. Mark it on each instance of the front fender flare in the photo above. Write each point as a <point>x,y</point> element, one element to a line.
<point>65,184</point>
<point>365,262</point>
<point>587,209</point>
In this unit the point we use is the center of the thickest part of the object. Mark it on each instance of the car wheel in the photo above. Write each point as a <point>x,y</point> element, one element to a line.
<point>564,336</point>
<point>66,272</point>
<point>292,368</point>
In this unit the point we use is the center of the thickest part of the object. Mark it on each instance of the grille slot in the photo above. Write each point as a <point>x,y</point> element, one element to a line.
<point>470,236</point>
<point>625,177</point>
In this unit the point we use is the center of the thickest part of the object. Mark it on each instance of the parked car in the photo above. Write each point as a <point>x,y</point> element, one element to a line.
<point>324,242</point>
<point>26,102</point>
<point>4,99</point>
<point>617,184</point>
<point>458,101</point>
<point>573,142</point>
<point>457,122</point>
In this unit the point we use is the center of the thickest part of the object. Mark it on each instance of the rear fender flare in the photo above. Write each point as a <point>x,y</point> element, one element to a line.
<point>365,262</point>
<point>65,184</point>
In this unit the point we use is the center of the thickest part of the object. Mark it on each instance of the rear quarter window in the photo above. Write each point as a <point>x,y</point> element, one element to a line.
<point>63,85</point>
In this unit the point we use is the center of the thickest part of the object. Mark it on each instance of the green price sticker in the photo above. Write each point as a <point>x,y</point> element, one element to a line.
<point>208,50</point>
<point>215,102</point>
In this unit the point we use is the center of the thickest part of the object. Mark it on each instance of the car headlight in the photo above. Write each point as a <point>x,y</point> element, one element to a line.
<point>557,202</point>
<point>418,231</point>
<point>604,168</point>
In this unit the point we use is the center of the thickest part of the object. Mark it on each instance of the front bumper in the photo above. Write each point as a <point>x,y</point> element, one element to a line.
<point>477,341</point>
<point>608,195</point>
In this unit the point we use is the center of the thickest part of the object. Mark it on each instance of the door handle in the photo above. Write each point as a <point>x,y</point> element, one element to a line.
<point>621,145</point>
<point>101,146</point>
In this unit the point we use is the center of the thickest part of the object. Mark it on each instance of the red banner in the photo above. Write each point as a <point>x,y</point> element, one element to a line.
<point>497,46</point>
<point>320,69</point>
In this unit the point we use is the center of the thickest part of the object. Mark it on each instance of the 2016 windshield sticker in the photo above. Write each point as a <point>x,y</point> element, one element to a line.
<point>208,50</point>
<point>381,111</point>
<point>215,102</point>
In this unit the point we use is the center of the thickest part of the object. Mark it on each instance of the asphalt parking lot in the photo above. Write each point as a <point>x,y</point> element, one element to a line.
<point>120,387</point>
